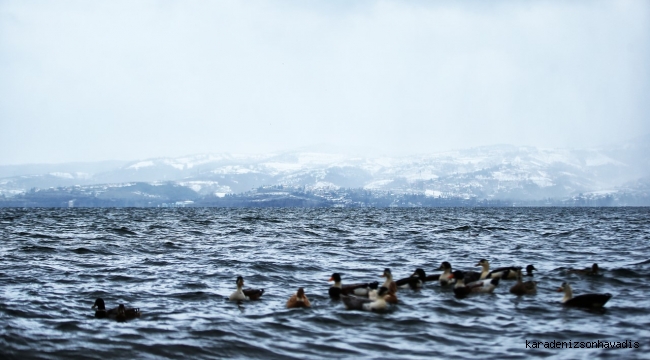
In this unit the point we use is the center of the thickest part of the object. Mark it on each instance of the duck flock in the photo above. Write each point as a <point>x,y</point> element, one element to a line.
<point>372,296</point>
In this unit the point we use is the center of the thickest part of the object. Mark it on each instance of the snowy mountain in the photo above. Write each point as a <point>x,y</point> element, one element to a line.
<point>491,172</point>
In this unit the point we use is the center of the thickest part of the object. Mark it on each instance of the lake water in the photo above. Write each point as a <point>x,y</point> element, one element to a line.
<point>179,265</point>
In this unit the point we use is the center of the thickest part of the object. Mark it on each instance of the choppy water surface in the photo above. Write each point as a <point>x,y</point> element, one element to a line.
<point>178,265</point>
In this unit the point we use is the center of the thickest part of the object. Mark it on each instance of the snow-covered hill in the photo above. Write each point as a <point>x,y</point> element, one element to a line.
<point>491,172</point>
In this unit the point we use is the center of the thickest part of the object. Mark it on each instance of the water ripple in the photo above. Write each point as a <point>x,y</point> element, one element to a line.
<point>178,266</point>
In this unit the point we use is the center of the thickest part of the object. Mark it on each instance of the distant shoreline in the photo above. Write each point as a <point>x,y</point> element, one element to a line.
<point>143,195</point>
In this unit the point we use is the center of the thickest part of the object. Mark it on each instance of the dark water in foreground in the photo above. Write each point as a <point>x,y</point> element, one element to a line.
<point>177,265</point>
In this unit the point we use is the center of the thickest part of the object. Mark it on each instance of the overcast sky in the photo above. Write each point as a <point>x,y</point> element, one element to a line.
<point>126,80</point>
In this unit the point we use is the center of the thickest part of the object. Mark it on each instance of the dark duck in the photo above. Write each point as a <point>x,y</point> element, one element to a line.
<point>529,270</point>
<point>592,271</point>
<point>120,313</point>
<point>461,289</point>
<point>124,314</point>
<point>415,281</point>
<point>337,289</point>
<point>523,288</point>
<point>590,301</point>
<point>358,303</point>
<point>100,309</point>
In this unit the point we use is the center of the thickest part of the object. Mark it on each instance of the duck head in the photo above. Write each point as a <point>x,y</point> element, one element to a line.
<point>529,270</point>
<point>387,274</point>
<point>240,281</point>
<point>445,266</point>
<point>565,287</point>
<point>568,294</point>
<point>482,262</point>
<point>594,268</point>
<point>419,273</point>
<point>99,304</point>
<point>336,277</point>
<point>300,294</point>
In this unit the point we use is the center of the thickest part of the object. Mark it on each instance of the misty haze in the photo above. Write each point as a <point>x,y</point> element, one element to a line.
<point>86,82</point>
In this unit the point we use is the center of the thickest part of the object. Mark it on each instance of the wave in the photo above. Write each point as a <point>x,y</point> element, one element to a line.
<point>178,267</point>
<point>124,231</point>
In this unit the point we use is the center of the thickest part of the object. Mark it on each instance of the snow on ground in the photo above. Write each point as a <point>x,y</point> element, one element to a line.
<point>62,175</point>
<point>320,158</point>
<point>199,185</point>
<point>599,159</point>
<point>189,162</point>
<point>141,164</point>
<point>175,164</point>
<point>282,167</point>
<point>233,169</point>
<point>542,179</point>
<point>324,185</point>
<point>416,174</point>
<point>602,192</point>
<point>505,176</point>
<point>434,193</point>
<point>375,185</point>
<point>551,156</point>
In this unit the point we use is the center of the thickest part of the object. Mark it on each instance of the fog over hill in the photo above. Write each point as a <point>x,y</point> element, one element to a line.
<point>500,172</point>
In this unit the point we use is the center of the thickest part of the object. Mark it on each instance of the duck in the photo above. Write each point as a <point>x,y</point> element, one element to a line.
<point>446,277</point>
<point>119,313</point>
<point>505,273</point>
<point>415,281</point>
<point>100,309</point>
<point>298,300</point>
<point>593,301</point>
<point>482,286</point>
<point>245,294</point>
<point>432,278</point>
<point>523,288</point>
<point>391,296</point>
<point>592,271</point>
<point>358,303</point>
<point>124,314</point>
<point>509,272</point>
<point>460,289</point>
<point>337,290</point>
<point>529,270</point>
<point>470,276</point>
<point>485,271</point>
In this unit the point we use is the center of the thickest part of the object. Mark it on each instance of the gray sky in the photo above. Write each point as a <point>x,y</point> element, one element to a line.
<point>99,80</point>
